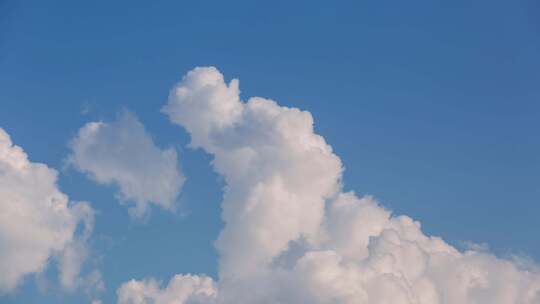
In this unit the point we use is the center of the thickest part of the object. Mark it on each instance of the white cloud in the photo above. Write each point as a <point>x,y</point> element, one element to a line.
<point>181,289</point>
<point>123,153</point>
<point>37,221</point>
<point>292,236</point>
<point>276,169</point>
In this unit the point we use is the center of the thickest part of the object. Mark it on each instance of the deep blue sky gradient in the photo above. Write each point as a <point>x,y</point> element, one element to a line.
<point>433,106</point>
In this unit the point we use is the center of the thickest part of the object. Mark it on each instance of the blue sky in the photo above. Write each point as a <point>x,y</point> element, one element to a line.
<point>433,108</point>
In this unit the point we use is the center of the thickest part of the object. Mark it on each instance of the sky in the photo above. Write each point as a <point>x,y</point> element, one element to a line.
<point>431,108</point>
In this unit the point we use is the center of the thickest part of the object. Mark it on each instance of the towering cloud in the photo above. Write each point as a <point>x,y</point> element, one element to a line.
<point>123,153</point>
<point>37,221</point>
<point>292,236</point>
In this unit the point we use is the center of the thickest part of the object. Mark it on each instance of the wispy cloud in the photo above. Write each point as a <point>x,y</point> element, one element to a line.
<point>123,153</point>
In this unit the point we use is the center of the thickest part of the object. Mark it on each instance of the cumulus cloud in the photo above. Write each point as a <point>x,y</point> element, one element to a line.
<point>292,235</point>
<point>37,221</point>
<point>122,152</point>
<point>181,289</point>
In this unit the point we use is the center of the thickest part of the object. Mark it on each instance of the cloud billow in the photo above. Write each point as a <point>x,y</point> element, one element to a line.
<point>38,223</point>
<point>292,235</point>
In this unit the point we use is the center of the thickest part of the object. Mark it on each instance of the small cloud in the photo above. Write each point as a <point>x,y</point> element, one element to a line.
<point>123,153</point>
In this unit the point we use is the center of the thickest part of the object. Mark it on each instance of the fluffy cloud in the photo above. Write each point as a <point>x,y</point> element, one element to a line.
<point>276,168</point>
<point>123,153</point>
<point>292,236</point>
<point>37,221</point>
<point>181,289</point>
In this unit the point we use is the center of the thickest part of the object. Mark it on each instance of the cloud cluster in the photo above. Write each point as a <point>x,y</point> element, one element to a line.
<point>37,221</point>
<point>123,153</point>
<point>292,236</point>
